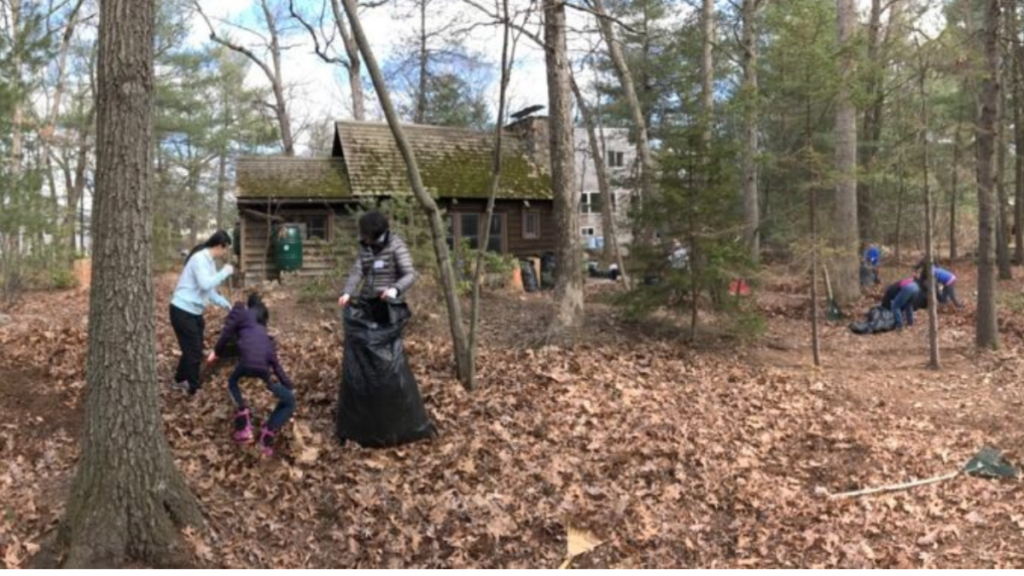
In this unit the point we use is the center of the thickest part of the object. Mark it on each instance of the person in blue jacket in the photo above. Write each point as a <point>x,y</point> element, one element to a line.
<point>196,289</point>
<point>944,287</point>
<point>869,266</point>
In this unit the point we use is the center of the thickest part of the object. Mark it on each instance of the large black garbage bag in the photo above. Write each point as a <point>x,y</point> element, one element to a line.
<point>379,402</point>
<point>530,283</point>
<point>548,269</point>
<point>876,321</point>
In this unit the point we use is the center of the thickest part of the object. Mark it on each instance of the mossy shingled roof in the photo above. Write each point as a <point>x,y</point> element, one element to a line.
<point>453,162</point>
<point>290,177</point>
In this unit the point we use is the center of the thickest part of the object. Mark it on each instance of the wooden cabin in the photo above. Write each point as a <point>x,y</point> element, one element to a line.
<point>365,167</point>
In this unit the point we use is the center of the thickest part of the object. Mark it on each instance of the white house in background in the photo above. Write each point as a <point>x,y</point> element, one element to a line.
<point>619,157</point>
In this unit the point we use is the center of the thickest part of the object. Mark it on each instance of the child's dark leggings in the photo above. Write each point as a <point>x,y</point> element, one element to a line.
<point>285,398</point>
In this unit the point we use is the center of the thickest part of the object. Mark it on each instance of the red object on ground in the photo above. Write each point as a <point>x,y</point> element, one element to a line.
<point>739,287</point>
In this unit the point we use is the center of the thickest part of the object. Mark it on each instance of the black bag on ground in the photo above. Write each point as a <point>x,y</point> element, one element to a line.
<point>530,283</point>
<point>379,403</point>
<point>876,321</point>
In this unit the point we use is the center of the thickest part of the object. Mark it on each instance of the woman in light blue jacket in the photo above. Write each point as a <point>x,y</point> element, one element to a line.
<point>197,288</point>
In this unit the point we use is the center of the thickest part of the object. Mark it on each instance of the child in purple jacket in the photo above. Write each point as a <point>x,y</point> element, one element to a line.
<point>257,359</point>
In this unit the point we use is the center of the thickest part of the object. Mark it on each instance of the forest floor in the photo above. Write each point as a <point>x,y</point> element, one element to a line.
<point>717,454</point>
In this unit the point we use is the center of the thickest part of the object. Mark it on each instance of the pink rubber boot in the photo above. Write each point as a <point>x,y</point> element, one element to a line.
<point>243,435</point>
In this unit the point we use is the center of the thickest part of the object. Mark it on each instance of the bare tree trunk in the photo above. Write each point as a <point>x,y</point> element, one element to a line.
<point>421,93</point>
<point>707,67</point>
<point>127,497</point>
<point>221,189</point>
<point>643,147</point>
<point>899,207</point>
<point>812,204</point>
<point>460,343</point>
<point>751,207</point>
<point>492,192</point>
<point>987,329</point>
<point>355,63</point>
<point>845,260</point>
<point>872,123</point>
<point>955,182</point>
<point>1017,68</point>
<point>272,71</point>
<point>1002,228</point>
<point>569,282</point>
<point>611,246</point>
<point>929,254</point>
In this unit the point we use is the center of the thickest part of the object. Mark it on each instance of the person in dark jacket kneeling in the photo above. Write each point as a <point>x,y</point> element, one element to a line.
<point>257,359</point>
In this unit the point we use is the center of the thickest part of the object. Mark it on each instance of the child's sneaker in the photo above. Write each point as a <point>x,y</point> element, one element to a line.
<point>266,442</point>
<point>243,427</point>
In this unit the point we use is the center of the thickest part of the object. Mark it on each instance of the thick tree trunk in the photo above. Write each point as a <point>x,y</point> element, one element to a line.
<point>987,328</point>
<point>845,259</point>
<point>569,281</point>
<point>611,244</point>
<point>438,231</point>
<point>643,147</point>
<point>127,496</point>
<point>751,206</point>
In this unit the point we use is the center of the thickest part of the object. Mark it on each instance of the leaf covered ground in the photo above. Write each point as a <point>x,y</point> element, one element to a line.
<point>720,454</point>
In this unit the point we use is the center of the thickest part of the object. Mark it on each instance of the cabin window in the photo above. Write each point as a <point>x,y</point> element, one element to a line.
<point>587,231</point>
<point>531,225</point>
<point>467,228</point>
<point>312,226</point>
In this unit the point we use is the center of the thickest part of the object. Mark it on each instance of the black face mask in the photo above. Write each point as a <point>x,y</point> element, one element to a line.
<point>378,244</point>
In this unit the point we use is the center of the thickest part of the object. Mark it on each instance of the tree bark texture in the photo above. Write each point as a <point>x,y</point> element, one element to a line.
<point>127,497</point>
<point>845,259</point>
<point>751,206</point>
<point>460,343</point>
<point>987,328</point>
<point>569,281</point>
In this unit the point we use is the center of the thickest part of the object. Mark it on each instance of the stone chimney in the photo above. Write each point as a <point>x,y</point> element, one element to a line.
<point>534,134</point>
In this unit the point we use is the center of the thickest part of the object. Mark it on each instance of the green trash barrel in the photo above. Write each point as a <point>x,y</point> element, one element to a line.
<point>288,249</point>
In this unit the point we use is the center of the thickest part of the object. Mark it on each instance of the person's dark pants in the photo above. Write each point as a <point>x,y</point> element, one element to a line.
<point>189,329</point>
<point>285,397</point>
<point>948,294</point>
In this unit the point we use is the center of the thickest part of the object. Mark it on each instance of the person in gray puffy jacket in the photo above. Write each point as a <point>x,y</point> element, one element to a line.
<point>383,265</point>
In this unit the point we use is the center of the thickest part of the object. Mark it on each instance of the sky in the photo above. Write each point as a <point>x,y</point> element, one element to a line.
<point>321,89</point>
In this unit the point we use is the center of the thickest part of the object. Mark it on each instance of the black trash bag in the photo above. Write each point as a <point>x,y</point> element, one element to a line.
<point>379,403</point>
<point>876,321</point>
<point>548,266</point>
<point>530,283</point>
